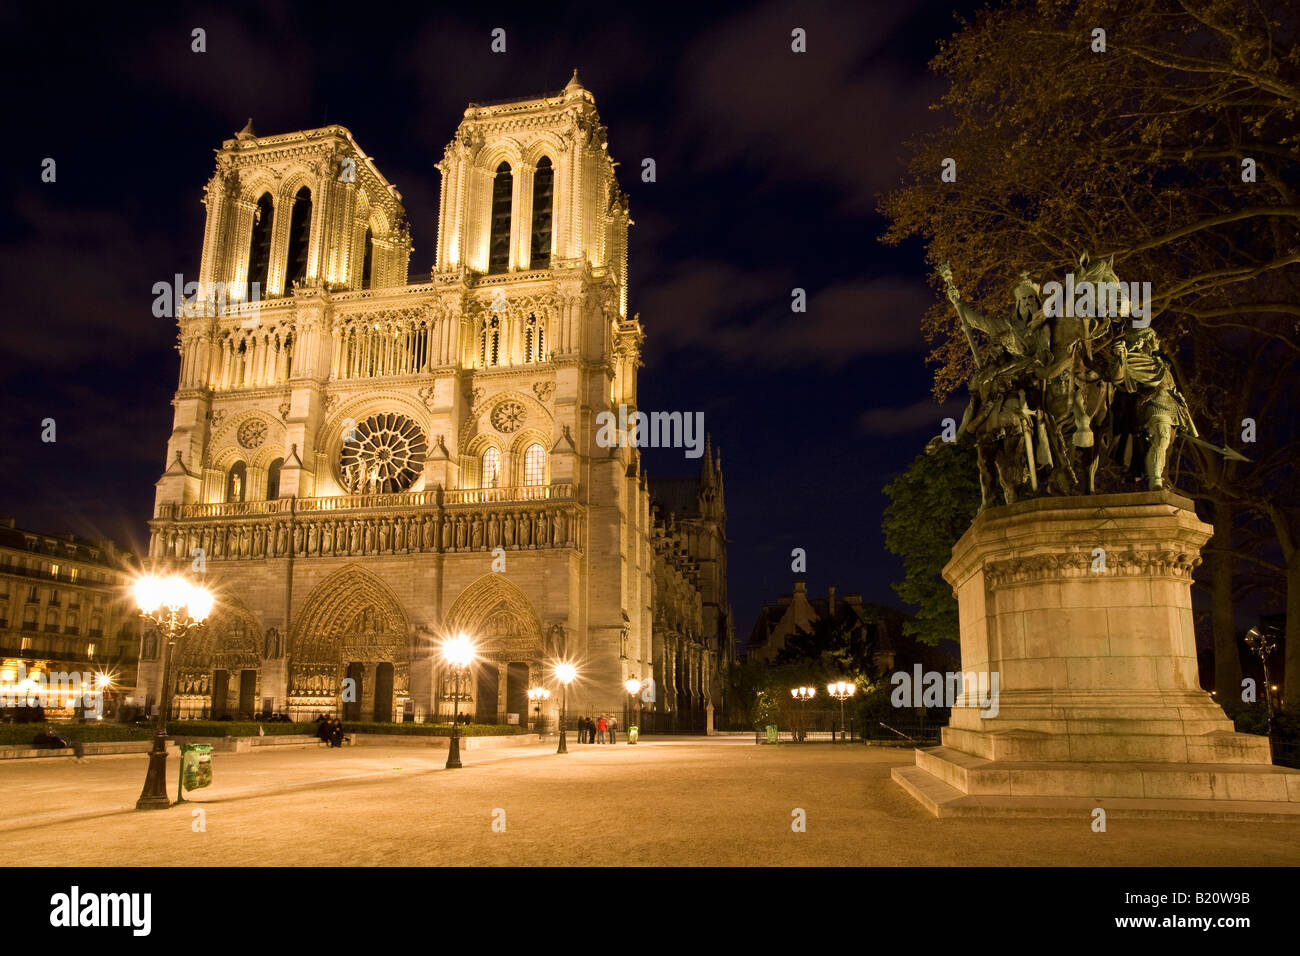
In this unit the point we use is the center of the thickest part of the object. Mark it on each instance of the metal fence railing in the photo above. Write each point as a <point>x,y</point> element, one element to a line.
<point>826,728</point>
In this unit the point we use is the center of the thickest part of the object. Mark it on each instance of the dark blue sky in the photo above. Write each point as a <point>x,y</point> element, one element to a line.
<point>769,164</point>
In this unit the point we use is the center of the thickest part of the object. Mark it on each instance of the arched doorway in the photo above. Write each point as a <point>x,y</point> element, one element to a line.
<point>500,619</point>
<point>218,667</point>
<point>351,650</point>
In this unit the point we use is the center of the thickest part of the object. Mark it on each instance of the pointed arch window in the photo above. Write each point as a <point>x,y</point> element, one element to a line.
<point>273,479</point>
<point>543,202</point>
<point>490,474</point>
<point>534,465</point>
<point>503,184</point>
<point>299,239</point>
<point>367,262</point>
<point>534,340</point>
<point>259,249</point>
<point>237,482</point>
<point>490,342</point>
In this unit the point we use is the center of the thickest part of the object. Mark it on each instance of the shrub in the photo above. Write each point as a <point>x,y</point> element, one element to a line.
<point>21,734</point>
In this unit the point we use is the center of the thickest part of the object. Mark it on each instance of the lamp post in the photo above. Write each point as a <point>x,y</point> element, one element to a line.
<point>537,695</point>
<point>633,687</point>
<point>1262,643</point>
<point>175,606</point>
<point>458,652</point>
<point>841,690</point>
<point>802,695</point>
<point>564,673</point>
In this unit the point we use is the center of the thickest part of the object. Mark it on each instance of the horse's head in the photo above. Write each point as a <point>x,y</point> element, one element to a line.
<point>1101,273</point>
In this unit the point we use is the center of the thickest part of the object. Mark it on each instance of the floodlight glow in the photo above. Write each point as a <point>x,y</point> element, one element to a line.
<point>148,593</point>
<point>458,651</point>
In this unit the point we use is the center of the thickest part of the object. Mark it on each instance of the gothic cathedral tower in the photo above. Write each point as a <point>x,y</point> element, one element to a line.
<point>361,466</point>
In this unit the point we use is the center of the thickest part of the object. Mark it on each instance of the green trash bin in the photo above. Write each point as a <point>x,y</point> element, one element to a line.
<point>772,734</point>
<point>196,768</point>
<point>633,733</point>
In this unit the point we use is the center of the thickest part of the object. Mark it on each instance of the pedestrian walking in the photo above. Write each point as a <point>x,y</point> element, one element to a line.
<point>601,727</point>
<point>613,725</point>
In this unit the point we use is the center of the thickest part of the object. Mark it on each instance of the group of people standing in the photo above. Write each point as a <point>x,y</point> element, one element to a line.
<point>595,731</point>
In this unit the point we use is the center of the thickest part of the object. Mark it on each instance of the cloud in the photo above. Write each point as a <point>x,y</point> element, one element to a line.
<point>837,113</point>
<point>924,415</point>
<point>742,316</point>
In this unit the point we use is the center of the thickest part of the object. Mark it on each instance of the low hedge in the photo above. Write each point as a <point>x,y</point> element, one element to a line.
<point>437,730</point>
<point>99,732</point>
<point>22,734</point>
<point>237,728</point>
<point>244,728</point>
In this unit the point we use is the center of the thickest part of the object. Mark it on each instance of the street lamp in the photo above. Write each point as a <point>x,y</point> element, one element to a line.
<point>175,606</point>
<point>537,695</point>
<point>633,687</point>
<point>841,690</point>
<point>565,674</point>
<point>1262,644</point>
<point>458,652</point>
<point>803,695</point>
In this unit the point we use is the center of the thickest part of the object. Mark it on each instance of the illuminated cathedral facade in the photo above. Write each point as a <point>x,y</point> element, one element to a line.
<point>361,466</point>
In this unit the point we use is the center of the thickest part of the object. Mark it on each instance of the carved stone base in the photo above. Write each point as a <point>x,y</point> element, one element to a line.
<point>1082,608</point>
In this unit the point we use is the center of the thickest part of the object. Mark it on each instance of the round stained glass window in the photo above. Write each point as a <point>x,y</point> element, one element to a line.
<point>384,453</point>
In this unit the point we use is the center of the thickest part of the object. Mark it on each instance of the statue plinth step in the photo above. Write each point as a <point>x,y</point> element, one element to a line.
<point>952,783</point>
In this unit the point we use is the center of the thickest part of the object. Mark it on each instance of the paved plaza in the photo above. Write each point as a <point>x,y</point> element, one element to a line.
<point>674,802</point>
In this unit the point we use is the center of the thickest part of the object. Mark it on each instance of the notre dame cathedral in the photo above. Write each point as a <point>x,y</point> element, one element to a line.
<point>360,466</point>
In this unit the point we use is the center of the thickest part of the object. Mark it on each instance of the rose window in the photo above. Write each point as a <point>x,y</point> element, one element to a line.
<point>507,417</point>
<point>252,433</point>
<point>384,453</point>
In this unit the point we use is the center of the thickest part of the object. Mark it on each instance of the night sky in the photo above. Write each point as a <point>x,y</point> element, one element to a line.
<point>769,164</point>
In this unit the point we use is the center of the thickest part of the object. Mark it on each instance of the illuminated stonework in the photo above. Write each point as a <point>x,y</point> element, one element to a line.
<point>351,531</point>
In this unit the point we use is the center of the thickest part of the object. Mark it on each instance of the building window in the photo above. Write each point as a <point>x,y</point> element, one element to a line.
<point>54,570</point>
<point>368,259</point>
<point>27,644</point>
<point>490,342</point>
<point>534,340</point>
<point>72,574</point>
<point>491,473</point>
<point>503,184</point>
<point>273,479</point>
<point>236,482</point>
<point>51,620</point>
<point>543,199</point>
<point>534,465</point>
<point>55,600</point>
<point>90,650</point>
<point>299,240</point>
<point>259,248</point>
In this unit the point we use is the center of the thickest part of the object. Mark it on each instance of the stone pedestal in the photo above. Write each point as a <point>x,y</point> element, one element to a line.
<point>1081,607</point>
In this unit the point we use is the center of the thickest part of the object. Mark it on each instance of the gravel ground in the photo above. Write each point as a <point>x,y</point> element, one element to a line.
<point>684,802</point>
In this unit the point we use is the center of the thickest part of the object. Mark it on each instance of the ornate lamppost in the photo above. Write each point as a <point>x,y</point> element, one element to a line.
<point>537,695</point>
<point>803,695</point>
<point>1262,643</point>
<point>175,606</point>
<point>841,690</point>
<point>633,687</point>
<point>565,674</point>
<point>458,652</point>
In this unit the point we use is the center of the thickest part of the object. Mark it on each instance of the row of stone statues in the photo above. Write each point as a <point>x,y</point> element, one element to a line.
<point>1052,384</point>
<point>478,531</point>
